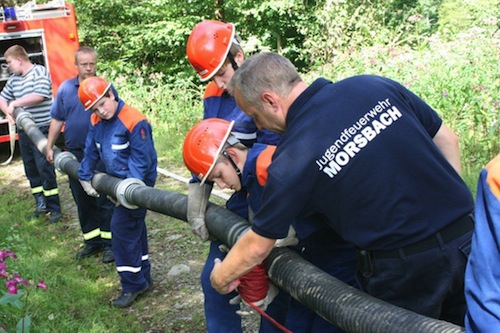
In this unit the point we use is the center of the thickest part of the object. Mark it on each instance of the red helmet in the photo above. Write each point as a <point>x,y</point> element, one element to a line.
<point>91,90</point>
<point>208,46</point>
<point>204,144</point>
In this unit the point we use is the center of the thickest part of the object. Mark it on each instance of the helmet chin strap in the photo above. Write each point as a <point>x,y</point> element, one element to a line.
<point>233,62</point>
<point>238,171</point>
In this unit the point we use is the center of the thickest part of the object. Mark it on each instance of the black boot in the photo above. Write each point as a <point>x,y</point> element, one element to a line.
<point>41,207</point>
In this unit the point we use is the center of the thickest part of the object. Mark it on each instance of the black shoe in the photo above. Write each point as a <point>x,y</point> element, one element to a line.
<point>108,257</point>
<point>41,206</point>
<point>88,250</point>
<point>126,299</point>
<point>55,217</point>
<point>35,215</point>
<point>149,288</point>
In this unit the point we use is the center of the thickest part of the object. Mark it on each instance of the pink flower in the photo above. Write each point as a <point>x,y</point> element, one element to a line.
<point>11,287</point>
<point>42,284</point>
<point>3,271</point>
<point>5,253</point>
<point>18,279</point>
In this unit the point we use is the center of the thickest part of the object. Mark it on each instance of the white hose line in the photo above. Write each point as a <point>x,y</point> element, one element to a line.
<point>167,173</point>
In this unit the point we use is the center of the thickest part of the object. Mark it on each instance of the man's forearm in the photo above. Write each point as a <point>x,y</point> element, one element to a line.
<point>249,251</point>
<point>447,143</point>
<point>54,130</point>
<point>3,106</point>
<point>27,100</point>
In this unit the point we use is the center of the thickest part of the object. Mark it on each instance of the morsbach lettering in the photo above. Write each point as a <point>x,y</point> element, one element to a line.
<point>357,136</point>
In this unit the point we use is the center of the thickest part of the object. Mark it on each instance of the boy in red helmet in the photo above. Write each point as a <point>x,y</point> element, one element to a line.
<point>212,153</point>
<point>214,51</point>
<point>121,137</point>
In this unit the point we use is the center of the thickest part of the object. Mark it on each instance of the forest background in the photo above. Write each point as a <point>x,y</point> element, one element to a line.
<point>446,51</point>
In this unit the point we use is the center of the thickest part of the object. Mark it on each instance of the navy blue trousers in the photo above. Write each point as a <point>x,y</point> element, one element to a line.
<point>40,173</point>
<point>94,214</point>
<point>430,283</point>
<point>220,316</point>
<point>130,248</point>
<point>327,251</point>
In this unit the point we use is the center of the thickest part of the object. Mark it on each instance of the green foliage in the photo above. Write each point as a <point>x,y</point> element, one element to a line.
<point>456,16</point>
<point>150,35</point>
<point>142,46</point>
<point>14,300</point>
<point>348,26</point>
<point>276,25</point>
<point>145,35</point>
<point>172,109</point>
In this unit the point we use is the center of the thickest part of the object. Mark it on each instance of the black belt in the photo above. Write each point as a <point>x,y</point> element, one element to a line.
<point>449,233</point>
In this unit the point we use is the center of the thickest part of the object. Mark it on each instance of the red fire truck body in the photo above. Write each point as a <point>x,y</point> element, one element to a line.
<point>49,34</point>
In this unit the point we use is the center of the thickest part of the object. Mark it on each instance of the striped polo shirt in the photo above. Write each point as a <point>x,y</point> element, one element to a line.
<point>37,81</point>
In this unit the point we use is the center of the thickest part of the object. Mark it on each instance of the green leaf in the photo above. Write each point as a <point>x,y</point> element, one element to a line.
<point>12,300</point>
<point>24,325</point>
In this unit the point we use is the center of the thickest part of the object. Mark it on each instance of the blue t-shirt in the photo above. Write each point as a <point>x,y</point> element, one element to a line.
<point>360,152</point>
<point>254,178</point>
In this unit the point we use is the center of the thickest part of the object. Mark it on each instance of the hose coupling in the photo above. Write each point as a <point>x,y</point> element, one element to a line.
<point>60,157</point>
<point>21,116</point>
<point>122,188</point>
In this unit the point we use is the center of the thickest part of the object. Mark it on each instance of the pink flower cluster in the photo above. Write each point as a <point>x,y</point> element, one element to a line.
<point>12,284</point>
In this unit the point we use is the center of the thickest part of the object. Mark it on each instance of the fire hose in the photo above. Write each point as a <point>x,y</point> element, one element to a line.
<point>349,308</point>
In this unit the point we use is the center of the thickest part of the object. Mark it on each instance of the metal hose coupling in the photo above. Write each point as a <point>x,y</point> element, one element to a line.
<point>122,187</point>
<point>60,158</point>
<point>20,116</point>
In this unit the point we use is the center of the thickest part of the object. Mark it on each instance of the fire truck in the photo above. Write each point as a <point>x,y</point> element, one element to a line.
<point>49,34</point>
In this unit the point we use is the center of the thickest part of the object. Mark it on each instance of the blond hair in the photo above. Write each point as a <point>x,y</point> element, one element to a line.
<point>18,52</point>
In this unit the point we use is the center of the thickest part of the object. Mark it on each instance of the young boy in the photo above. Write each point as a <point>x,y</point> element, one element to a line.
<point>215,53</point>
<point>121,137</point>
<point>212,153</point>
<point>30,87</point>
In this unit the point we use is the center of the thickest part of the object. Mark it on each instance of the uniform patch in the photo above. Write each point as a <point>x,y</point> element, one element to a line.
<point>143,134</point>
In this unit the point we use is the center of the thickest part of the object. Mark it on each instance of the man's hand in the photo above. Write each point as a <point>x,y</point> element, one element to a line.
<point>87,187</point>
<point>49,154</point>
<point>221,289</point>
<point>250,250</point>
<point>196,207</point>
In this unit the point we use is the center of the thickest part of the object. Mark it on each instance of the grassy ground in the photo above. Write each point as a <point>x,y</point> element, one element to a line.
<point>80,291</point>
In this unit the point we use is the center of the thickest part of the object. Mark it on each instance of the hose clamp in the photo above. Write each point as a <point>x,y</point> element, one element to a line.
<point>58,161</point>
<point>122,188</point>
